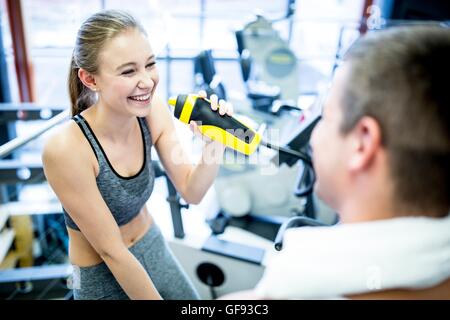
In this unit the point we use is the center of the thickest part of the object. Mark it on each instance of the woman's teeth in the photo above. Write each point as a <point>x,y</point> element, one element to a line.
<point>140,98</point>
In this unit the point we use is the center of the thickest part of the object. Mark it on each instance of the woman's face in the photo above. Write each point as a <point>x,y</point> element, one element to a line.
<point>127,76</point>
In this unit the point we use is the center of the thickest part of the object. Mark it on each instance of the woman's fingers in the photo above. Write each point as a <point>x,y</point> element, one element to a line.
<point>195,129</point>
<point>192,126</point>
<point>222,107</point>
<point>230,109</point>
<point>214,102</point>
<point>202,94</point>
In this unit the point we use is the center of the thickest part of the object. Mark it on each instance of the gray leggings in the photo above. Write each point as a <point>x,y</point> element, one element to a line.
<point>98,283</point>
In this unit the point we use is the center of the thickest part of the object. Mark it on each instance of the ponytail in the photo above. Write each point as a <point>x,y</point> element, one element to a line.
<point>80,97</point>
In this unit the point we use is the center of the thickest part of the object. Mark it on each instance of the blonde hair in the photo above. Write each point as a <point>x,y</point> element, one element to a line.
<point>92,36</point>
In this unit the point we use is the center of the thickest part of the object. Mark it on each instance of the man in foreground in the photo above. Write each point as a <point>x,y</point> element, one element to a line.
<point>381,154</point>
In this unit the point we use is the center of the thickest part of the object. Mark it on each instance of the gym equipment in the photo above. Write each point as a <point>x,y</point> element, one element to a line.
<point>213,262</point>
<point>294,222</point>
<point>236,200</point>
<point>205,75</point>
<point>269,67</point>
<point>242,189</point>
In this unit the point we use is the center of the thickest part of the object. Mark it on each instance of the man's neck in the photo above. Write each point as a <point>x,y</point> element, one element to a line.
<point>353,212</point>
<point>376,206</point>
<point>369,197</point>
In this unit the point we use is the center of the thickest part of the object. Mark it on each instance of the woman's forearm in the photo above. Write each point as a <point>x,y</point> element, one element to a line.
<point>131,275</point>
<point>203,174</point>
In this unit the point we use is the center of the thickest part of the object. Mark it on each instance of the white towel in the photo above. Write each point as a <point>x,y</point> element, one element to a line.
<point>327,262</point>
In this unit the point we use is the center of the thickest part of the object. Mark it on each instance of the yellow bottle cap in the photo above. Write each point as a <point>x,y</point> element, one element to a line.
<point>173,101</point>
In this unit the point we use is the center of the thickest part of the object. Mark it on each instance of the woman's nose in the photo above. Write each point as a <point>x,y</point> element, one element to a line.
<point>146,81</point>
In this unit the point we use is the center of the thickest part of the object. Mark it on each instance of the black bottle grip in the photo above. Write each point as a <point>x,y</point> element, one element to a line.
<point>202,114</point>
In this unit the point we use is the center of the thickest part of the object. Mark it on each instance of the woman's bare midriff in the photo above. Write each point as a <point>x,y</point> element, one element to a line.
<point>82,254</point>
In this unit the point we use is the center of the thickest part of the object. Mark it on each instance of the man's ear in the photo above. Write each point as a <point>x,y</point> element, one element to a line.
<point>88,79</point>
<point>366,142</point>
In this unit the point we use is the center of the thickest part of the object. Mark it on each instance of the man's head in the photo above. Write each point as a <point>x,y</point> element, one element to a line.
<point>385,133</point>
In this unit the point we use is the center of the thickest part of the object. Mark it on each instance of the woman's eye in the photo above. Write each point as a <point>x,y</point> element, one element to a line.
<point>129,71</point>
<point>151,64</point>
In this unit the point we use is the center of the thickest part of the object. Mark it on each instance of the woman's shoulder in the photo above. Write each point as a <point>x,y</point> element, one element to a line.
<point>66,143</point>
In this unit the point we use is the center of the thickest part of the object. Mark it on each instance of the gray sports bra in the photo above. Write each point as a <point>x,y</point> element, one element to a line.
<point>124,196</point>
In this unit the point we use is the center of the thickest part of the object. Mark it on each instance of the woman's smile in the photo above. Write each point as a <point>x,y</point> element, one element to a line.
<point>141,100</point>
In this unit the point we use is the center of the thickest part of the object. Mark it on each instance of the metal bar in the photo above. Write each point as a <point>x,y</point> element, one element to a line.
<point>27,111</point>
<point>12,145</point>
<point>36,273</point>
<point>16,171</point>
<point>175,210</point>
<point>202,18</point>
<point>22,62</point>
<point>294,222</point>
<point>365,15</point>
<point>290,12</point>
<point>39,208</point>
<point>29,106</point>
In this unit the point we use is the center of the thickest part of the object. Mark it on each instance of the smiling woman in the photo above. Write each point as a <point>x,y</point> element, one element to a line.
<point>100,167</point>
<point>125,60</point>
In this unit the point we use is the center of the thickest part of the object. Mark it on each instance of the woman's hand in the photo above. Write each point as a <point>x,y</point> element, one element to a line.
<point>216,104</point>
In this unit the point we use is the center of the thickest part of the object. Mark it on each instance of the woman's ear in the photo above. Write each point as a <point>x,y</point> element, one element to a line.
<point>88,79</point>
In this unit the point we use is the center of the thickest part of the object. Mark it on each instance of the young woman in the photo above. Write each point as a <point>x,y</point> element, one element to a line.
<point>99,165</point>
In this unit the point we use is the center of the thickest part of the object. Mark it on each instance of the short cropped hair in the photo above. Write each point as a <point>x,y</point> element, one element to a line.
<point>400,77</point>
